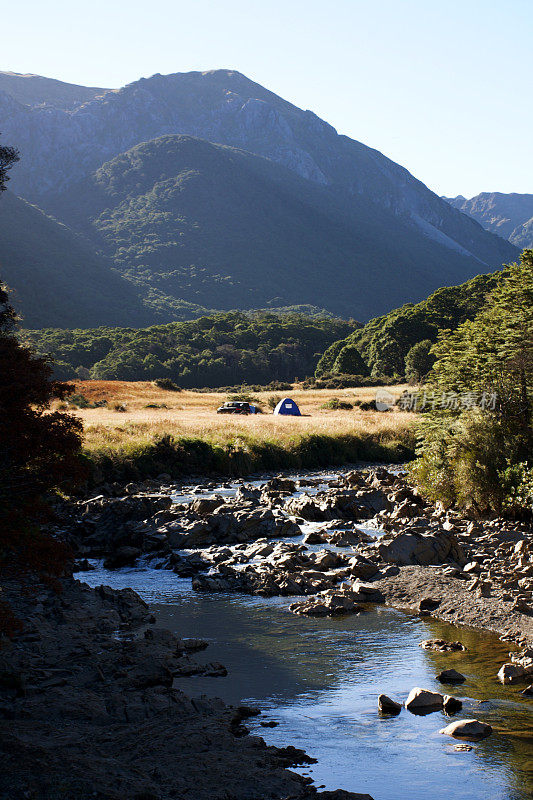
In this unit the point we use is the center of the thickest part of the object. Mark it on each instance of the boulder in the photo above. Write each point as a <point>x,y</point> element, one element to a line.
<point>314,537</point>
<point>362,568</point>
<point>423,701</point>
<point>467,729</point>
<point>451,705</point>
<point>442,646</point>
<point>511,673</point>
<point>370,593</point>
<point>281,484</point>
<point>326,605</point>
<point>450,676</point>
<point>411,548</point>
<point>206,505</point>
<point>428,604</point>
<point>122,557</point>
<point>388,706</point>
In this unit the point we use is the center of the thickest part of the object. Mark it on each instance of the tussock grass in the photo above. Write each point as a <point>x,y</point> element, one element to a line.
<point>189,437</point>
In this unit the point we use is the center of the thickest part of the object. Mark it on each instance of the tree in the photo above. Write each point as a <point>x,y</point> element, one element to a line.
<point>350,361</point>
<point>39,449</point>
<point>419,361</point>
<point>478,450</point>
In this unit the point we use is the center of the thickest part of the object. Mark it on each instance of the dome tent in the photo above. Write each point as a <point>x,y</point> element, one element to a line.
<point>287,407</point>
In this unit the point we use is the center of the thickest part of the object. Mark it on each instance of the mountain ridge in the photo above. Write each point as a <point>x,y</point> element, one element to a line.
<point>508,215</point>
<point>29,89</point>
<point>356,228</point>
<point>214,224</point>
<point>226,107</point>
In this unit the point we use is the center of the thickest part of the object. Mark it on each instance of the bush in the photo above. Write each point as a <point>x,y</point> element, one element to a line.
<point>167,384</point>
<point>472,461</point>
<point>337,405</point>
<point>478,452</point>
<point>273,400</point>
<point>330,380</point>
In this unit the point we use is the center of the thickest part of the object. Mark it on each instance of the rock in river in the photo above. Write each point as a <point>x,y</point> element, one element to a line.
<point>388,706</point>
<point>467,729</point>
<point>441,645</point>
<point>511,673</point>
<point>451,705</point>
<point>422,701</point>
<point>450,676</point>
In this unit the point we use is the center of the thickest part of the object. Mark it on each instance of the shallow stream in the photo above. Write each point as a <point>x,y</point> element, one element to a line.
<point>319,679</point>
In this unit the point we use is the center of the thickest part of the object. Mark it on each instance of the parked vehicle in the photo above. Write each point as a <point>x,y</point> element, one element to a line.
<point>236,407</point>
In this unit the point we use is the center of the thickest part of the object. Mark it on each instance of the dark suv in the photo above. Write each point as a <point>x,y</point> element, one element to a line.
<point>235,407</point>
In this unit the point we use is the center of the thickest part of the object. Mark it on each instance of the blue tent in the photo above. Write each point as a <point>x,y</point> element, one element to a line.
<point>287,407</point>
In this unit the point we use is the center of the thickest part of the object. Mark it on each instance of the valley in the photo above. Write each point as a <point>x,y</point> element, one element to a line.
<point>266,403</point>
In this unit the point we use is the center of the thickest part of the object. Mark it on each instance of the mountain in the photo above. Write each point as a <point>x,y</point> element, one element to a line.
<point>56,276</point>
<point>215,225</point>
<point>323,217</point>
<point>508,215</point>
<point>34,90</point>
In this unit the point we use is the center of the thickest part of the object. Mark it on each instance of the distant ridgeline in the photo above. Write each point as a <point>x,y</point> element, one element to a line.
<point>219,350</point>
<point>382,345</point>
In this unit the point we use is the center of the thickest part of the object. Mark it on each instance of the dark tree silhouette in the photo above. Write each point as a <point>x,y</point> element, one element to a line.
<point>39,449</point>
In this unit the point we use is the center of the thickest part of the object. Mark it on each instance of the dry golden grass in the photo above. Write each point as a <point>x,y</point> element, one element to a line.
<point>193,414</point>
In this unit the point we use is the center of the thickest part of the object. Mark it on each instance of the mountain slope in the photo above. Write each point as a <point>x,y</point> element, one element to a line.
<point>219,226</point>
<point>56,277</point>
<point>508,215</point>
<point>385,341</point>
<point>60,147</point>
<point>34,90</point>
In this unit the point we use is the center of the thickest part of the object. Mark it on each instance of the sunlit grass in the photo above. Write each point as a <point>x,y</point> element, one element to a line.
<point>190,419</point>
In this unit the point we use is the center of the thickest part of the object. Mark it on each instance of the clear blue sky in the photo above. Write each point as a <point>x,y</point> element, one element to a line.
<point>444,87</point>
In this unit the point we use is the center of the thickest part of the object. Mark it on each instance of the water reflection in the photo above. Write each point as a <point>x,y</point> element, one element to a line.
<point>319,679</point>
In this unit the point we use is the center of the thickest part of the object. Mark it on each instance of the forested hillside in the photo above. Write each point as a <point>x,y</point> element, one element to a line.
<point>58,277</point>
<point>224,349</point>
<point>223,228</point>
<point>382,345</point>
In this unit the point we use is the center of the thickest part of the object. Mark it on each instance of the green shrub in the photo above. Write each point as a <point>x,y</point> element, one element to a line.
<point>478,452</point>
<point>167,384</point>
<point>337,405</point>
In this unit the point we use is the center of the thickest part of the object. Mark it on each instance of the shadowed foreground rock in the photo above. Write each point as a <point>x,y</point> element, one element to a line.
<point>89,710</point>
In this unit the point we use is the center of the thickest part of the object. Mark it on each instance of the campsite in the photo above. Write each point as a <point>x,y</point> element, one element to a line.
<point>123,419</point>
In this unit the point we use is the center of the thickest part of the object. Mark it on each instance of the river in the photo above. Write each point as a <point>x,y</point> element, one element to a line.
<point>319,679</point>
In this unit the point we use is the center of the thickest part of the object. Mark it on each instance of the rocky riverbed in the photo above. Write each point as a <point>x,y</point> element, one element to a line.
<point>342,541</point>
<point>89,685</point>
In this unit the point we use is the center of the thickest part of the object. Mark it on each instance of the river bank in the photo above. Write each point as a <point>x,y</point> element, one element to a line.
<point>90,709</point>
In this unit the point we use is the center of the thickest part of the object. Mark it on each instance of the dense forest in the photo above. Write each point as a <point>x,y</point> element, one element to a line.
<point>476,443</point>
<point>223,349</point>
<point>383,345</point>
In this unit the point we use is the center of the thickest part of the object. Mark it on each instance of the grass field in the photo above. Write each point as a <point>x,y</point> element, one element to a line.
<point>136,438</point>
